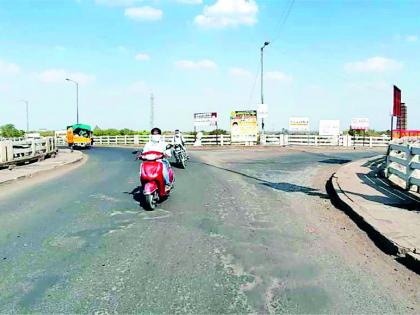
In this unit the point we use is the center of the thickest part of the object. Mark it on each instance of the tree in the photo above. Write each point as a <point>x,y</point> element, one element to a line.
<point>218,132</point>
<point>10,131</point>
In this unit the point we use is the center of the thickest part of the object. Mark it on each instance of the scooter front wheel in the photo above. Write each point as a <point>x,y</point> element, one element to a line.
<point>150,201</point>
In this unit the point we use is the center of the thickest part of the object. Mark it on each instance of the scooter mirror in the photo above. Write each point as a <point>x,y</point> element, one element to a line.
<point>169,146</point>
<point>135,152</point>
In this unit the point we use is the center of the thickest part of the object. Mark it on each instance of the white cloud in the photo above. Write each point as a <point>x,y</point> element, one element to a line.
<point>277,76</point>
<point>59,75</point>
<point>143,13</point>
<point>142,57</point>
<point>190,1</point>
<point>204,64</point>
<point>228,13</point>
<point>374,64</point>
<point>118,3</point>
<point>9,68</point>
<point>240,72</point>
<point>411,38</point>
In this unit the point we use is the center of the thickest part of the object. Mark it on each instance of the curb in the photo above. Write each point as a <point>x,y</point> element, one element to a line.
<point>340,199</point>
<point>79,159</point>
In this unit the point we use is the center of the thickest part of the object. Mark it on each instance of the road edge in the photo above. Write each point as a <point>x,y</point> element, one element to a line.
<point>341,201</point>
<point>79,161</point>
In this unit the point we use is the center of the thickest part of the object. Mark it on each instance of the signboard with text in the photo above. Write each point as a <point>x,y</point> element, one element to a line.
<point>243,126</point>
<point>359,124</point>
<point>329,127</point>
<point>205,119</point>
<point>298,124</point>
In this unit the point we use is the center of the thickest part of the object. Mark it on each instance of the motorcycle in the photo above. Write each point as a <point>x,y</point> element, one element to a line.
<point>180,155</point>
<point>152,180</point>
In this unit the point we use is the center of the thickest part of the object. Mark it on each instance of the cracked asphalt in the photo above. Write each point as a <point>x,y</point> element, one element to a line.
<point>243,232</point>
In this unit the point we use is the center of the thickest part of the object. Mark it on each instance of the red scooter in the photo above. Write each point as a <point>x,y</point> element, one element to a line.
<point>152,180</point>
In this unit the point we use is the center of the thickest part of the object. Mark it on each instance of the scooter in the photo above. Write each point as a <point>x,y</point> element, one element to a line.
<point>152,180</point>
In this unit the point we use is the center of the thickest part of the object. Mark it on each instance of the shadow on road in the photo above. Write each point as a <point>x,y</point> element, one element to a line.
<point>335,161</point>
<point>282,186</point>
<point>390,195</point>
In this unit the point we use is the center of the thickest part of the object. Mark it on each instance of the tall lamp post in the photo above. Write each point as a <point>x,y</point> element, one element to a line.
<point>262,80</point>
<point>27,113</point>
<point>77,97</point>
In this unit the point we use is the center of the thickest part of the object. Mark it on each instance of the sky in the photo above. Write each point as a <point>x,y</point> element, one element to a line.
<point>326,60</point>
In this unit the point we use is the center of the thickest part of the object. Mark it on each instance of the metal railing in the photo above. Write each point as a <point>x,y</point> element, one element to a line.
<point>19,150</point>
<point>270,139</point>
<point>403,161</point>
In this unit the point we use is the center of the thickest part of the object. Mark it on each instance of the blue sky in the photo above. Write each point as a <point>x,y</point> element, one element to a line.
<point>328,60</point>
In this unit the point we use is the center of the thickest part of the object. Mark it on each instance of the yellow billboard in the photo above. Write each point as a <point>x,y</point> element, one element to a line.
<point>243,126</point>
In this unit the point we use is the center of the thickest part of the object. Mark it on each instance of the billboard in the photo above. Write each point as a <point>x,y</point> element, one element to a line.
<point>205,119</point>
<point>262,111</point>
<point>243,126</point>
<point>329,127</point>
<point>298,124</point>
<point>397,102</point>
<point>359,124</point>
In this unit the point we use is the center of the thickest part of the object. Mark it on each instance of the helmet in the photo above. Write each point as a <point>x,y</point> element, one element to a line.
<point>156,135</point>
<point>156,131</point>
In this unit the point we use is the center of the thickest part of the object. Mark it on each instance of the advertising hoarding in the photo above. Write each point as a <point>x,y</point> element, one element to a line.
<point>359,124</point>
<point>243,126</point>
<point>397,102</point>
<point>262,111</point>
<point>329,127</point>
<point>298,124</point>
<point>205,119</point>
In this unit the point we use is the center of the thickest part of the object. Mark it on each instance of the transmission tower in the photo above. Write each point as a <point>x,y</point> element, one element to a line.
<point>152,111</point>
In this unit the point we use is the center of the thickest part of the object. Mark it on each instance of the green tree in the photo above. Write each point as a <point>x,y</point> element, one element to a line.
<point>218,132</point>
<point>10,131</point>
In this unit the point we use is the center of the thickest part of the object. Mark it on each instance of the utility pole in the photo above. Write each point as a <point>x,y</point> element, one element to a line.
<point>262,80</point>
<point>152,111</point>
<point>77,98</point>
<point>27,114</point>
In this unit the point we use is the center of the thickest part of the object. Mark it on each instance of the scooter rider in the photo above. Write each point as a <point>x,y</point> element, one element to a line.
<point>157,144</point>
<point>179,139</point>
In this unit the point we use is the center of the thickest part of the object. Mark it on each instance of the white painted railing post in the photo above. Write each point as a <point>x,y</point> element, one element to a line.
<point>136,140</point>
<point>408,169</point>
<point>221,140</point>
<point>33,147</point>
<point>125,140</point>
<point>370,142</point>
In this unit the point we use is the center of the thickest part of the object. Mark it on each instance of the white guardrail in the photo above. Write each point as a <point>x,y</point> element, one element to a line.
<point>20,150</point>
<point>403,161</point>
<point>280,139</point>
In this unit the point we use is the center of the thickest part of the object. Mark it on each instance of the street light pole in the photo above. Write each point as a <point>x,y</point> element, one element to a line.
<point>77,98</point>
<point>262,80</point>
<point>27,114</point>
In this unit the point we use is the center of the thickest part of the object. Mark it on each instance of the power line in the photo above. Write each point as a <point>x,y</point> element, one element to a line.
<point>283,19</point>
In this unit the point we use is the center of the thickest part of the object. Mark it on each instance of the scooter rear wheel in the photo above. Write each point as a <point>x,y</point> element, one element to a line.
<point>150,201</point>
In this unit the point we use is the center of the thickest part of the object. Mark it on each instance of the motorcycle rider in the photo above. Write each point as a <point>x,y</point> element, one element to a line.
<point>179,139</point>
<point>157,144</point>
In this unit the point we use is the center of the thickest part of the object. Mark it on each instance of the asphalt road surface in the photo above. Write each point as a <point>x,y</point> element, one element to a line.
<point>243,232</point>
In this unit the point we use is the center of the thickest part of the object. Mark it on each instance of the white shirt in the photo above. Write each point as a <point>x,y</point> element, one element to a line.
<point>178,140</point>
<point>157,147</point>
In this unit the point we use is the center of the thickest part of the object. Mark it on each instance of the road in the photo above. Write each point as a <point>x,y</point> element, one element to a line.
<point>243,232</point>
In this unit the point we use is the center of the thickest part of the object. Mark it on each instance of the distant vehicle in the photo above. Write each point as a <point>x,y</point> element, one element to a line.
<point>79,136</point>
<point>180,155</point>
